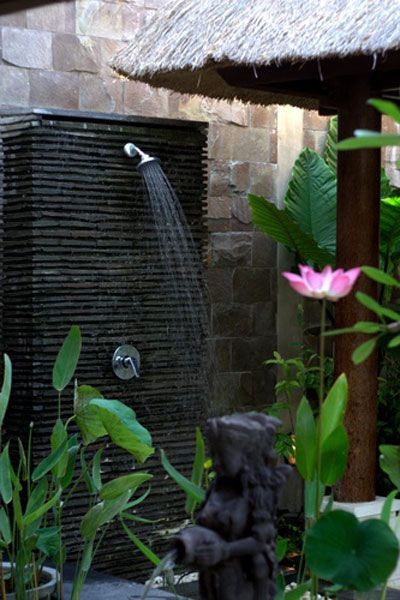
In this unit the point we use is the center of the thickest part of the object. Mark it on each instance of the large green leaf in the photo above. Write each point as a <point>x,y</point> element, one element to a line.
<point>5,528</point>
<point>190,489</point>
<point>390,224</point>
<point>123,428</point>
<point>280,226</point>
<point>389,461</point>
<point>6,388</point>
<point>386,107</point>
<point>334,406</point>
<point>50,461</point>
<point>306,441</point>
<point>87,418</point>
<point>48,540</point>
<point>330,152</point>
<point>197,471</point>
<point>6,476</point>
<point>380,276</point>
<point>310,491</point>
<point>73,448</point>
<point>59,436</point>
<point>103,513</point>
<point>31,517</point>
<point>334,451</point>
<point>369,139</point>
<point>145,550</point>
<point>364,350</point>
<point>120,485</point>
<point>377,308</point>
<point>356,555</point>
<point>67,359</point>
<point>311,199</point>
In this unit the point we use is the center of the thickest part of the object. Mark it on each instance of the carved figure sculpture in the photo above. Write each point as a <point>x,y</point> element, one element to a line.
<point>233,541</point>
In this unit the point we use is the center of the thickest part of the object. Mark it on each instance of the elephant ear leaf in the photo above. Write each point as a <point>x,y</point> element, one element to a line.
<point>311,198</point>
<point>281,227</point>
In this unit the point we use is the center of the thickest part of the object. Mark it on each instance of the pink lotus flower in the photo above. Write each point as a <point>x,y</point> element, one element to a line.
<point>328,284</point>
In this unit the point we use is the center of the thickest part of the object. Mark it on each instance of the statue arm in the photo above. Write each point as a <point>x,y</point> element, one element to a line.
<point>248,546</point>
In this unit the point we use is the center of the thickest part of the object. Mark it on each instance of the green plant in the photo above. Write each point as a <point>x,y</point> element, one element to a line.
<point>335,545</point>
<point>385,331</point>
<point>33,499</point>
<point>307,223</point>
<point>375,139</point>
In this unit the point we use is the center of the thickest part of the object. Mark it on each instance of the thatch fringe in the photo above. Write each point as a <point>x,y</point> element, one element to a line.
<point>183,42</point>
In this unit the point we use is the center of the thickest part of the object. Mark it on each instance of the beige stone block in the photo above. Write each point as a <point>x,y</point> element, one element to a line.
<point>191,108</point>
<point>218,178</point>
<point>223,111</point>
<point>250,145</point>
<point>14,19</point>
<point>102,95</point>
<point>241,209</point>
<point>315,140</point>
<point>59,16</point>
<point>14,88</point>
<point>312,120</point>
<point>263,180</point>
<point>240,176</point>
<point>219,207</point>
<point>144,100</point>
<point>104,50</point>
<point>273,146</point>
<point>74,53</point>
<point>115,20</point>
<point>27,48</point>
<point>221,141</point>
<point>263,116</point>
<point>54,90</point>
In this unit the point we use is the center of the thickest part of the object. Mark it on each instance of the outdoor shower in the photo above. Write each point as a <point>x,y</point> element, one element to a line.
<point>81,246</point>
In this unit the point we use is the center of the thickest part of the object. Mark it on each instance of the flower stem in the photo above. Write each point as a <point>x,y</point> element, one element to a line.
<point>319,430</point>
<point>320,402</point>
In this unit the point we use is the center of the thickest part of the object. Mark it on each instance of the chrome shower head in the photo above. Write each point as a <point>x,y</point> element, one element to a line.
<point>131,150</point>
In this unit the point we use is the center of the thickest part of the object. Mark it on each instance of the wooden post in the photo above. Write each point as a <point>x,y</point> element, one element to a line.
<point>358,210</point>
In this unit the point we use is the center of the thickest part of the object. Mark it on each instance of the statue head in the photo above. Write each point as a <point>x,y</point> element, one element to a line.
<point>241,440</point>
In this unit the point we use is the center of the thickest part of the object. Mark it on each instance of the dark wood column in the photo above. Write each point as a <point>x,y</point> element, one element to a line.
<point>357,244</point>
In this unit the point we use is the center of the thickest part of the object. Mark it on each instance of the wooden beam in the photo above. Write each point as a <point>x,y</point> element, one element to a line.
<point>312,78</point>
<point>358,211</point>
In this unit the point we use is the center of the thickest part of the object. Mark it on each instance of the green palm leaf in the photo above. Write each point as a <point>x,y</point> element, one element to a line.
<point>311,198</point>
<point>279,225</point>
<point>390,224</point>
<point>330,152</point>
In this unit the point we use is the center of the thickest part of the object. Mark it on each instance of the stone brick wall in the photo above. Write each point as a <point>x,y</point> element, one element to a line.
<point>57,57</point>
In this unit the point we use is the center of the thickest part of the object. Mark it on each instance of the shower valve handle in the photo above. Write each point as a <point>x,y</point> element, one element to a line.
<point>126,362</point>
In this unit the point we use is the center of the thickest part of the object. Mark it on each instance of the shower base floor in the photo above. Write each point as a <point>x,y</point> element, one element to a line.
<point>106,587</point>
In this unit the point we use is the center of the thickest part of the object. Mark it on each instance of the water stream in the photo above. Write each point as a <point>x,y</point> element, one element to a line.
<point>181,260</point>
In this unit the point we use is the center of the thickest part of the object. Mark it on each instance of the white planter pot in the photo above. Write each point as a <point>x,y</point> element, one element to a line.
<point>46,588</point>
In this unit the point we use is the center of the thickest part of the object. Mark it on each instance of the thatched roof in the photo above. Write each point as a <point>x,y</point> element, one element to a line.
<point>186,42</point>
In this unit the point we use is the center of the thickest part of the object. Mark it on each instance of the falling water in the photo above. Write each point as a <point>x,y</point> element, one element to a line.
<point>165,566</point>
<point>180,259</point>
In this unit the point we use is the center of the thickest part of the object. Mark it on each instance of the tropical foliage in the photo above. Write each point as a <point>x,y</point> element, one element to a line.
<point>35,498</point>
<point>306,224</point>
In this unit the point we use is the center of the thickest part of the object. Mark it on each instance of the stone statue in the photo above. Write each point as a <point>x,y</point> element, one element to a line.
<point>233,541</point>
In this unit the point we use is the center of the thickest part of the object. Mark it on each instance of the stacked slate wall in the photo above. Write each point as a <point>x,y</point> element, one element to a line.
<point>80,247</point>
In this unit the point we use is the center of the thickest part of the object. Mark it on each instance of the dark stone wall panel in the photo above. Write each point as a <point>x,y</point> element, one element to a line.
<point>80,247</point>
